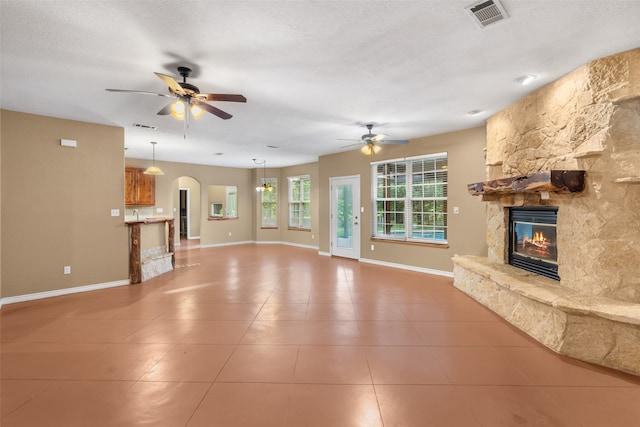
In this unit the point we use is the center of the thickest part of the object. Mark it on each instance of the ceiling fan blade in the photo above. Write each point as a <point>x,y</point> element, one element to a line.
<point>166,110</point>
<point>172,83</point>
<point>394,141</point>
<point>350,139</point>
<point>138,91</point>
<point>221,97</point>
<point>213,110</point>
<point>350,145</point>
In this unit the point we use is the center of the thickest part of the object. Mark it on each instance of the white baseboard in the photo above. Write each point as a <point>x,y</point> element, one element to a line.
<point>60,292</point>
<point>217,245</point>
<point>408,267</point>
<point>298,245</point>
<point>262,242</point>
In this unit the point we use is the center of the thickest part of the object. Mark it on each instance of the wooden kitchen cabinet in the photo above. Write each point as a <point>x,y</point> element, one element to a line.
<point>139,189</point>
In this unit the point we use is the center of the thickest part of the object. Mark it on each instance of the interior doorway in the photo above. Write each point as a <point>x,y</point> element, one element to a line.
<point>184,213</point>
<point>187,194</point>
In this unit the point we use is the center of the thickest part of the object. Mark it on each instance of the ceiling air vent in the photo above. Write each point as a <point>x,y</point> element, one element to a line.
<point>487,12</point>
<point>138,125</point>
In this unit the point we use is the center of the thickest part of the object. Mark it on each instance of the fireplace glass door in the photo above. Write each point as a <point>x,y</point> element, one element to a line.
<point>536,241</point>
<point>533,241</point>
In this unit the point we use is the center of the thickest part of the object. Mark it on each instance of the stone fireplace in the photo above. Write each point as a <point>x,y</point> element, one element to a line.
<point>588,122</point>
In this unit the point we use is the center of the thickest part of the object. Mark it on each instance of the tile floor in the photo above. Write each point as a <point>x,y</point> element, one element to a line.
<point>271,335</point>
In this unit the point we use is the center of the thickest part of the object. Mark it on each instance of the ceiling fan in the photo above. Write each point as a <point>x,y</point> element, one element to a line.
<point>371,141</point>
<point>188,98</point>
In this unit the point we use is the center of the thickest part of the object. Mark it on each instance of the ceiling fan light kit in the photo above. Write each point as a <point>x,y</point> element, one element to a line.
<point>370,149</point>
<point>371,141</point>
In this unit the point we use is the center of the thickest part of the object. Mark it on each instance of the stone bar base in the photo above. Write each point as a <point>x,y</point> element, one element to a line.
<point>590,328</point>
<point>155,261</point>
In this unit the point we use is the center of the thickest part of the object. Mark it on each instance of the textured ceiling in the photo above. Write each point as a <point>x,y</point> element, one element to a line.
<point>313,72</point>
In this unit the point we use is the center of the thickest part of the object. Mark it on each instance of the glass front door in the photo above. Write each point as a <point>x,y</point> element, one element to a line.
<point>345,217</point>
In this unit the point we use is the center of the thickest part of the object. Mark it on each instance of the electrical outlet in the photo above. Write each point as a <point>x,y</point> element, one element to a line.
<point>313,236</point>
<point>159,210</point>
<point>115,212</point>
<point>67,269</point>
<point>229,234</point>
<point>456,210</point>
<point>373,247</point>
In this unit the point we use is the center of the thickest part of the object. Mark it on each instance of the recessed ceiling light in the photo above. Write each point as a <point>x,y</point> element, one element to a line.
<point>218,154</point>
<point>526,79</point>
<point>474,112</point>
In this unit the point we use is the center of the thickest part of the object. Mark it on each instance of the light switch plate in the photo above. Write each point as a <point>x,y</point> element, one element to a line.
<point>115,212</point>
<point>159,210</point>
<point>69,143</point>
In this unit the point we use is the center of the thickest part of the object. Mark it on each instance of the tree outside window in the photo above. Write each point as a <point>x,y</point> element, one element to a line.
<point>269,203</point>
<point>300,202</point>
<point>410,199</point>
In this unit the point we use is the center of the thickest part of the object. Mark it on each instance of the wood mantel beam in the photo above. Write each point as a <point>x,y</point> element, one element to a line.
<point>554,181</point>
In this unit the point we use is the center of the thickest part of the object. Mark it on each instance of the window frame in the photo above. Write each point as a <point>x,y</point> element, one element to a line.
<point>296,205</point>
<point>398,182</point>
<point>272,222</point>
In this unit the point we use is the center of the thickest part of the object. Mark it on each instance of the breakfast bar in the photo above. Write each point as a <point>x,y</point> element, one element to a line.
<point>151,248</point>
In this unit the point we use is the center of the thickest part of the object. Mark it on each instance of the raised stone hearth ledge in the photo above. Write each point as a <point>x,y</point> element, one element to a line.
<point>590,328</point>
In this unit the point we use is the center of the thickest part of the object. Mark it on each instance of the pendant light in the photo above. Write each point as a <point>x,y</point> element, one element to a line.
<point>153,169</point>
<point>265,186</point>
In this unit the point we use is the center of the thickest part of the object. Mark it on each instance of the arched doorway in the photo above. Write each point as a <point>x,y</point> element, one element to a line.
<point>187,211</point>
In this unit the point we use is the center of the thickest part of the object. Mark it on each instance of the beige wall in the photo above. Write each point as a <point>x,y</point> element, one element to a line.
<point>466,230</point>
<point>56,204</point>
<point>283,233</point>
<point>211,232</point>
<point>0,212</point>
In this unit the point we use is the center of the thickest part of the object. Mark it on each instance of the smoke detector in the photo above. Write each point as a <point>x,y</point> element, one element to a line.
<point>486,12</point>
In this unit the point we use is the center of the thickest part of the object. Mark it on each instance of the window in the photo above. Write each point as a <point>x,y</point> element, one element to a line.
<point>300,202</point>
<point>269,203</point>
<point>410,199</point>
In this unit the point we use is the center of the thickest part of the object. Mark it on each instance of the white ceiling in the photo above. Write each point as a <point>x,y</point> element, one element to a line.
<point>313,72</point>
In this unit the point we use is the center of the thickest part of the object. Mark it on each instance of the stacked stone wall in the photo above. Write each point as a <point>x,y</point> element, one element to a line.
<point>589,120</point>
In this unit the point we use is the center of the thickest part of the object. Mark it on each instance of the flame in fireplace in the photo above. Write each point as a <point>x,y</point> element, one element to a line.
<point>539,242</point>
<point>538,239</point>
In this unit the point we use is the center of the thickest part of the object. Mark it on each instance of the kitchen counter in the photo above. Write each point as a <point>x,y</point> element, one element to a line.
<point>148,220</point>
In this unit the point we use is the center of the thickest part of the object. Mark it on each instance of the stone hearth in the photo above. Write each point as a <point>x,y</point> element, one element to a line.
<point>588,120</point>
